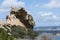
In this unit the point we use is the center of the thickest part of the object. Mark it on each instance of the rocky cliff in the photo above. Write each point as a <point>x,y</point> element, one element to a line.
<point>20,17</point>
<point>19,25</point>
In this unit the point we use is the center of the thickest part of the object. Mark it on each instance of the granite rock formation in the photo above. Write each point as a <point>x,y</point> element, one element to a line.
<point>20,17</point>
<point>19,25</point>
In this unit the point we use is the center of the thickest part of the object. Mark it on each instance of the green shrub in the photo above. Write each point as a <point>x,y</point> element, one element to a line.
<point>20,32</point>
<point>4,35</point>
<point>32,34</point>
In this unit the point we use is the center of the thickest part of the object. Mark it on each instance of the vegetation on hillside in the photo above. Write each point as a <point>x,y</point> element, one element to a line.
<point>20,32</point>
<point>17,32</point>
<point>4,35</point>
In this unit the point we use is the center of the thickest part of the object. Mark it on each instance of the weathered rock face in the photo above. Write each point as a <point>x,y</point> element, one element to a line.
<point>20,17</point>
<point>19,25</point>
<point>12,20</point>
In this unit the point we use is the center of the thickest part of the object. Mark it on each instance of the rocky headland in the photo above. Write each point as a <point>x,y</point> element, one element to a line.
<point>19,25</point>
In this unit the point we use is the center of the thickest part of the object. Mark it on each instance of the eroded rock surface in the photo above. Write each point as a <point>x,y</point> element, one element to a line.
<point>20,17</point>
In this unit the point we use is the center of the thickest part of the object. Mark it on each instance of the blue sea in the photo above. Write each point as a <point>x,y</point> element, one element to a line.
<point>53,30</point>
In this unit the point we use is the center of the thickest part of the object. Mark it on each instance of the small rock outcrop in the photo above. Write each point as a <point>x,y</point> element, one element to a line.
<point>20,17</point>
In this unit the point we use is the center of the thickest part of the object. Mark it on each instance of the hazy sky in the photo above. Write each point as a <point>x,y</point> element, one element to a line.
<point>44,12</point>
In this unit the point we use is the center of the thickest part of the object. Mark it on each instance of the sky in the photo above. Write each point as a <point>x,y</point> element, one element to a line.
<point>44,12</point>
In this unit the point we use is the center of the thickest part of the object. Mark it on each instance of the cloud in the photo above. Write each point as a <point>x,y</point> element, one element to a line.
<point>7,4</point>
<point>57,23</point>
<point>34,5</point>
<point>4,10</point>
<point>48,16</point>
<point>47,19</point>
<point>52,4</point>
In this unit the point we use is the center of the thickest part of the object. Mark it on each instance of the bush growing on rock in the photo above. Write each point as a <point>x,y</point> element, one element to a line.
<point>20,32</point>
<point>4,35</point>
